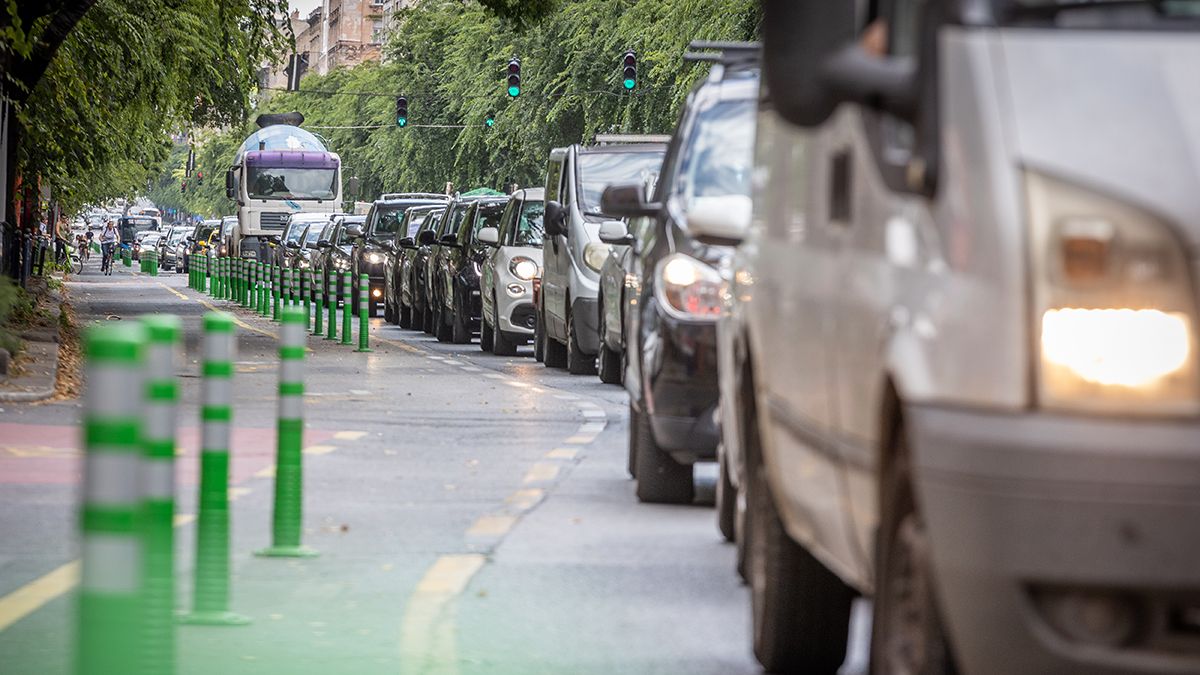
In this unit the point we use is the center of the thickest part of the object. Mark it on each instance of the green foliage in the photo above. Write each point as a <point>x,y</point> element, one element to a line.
<point>448,57</point>
<point>95,127</point>
<point>16,310</point>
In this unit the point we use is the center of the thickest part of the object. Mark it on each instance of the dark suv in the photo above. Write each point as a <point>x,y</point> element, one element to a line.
<point>382,222</point>
<point>671,358</point>
<point>457,274</point>
<point>440,242</point>
<point>397,294</point>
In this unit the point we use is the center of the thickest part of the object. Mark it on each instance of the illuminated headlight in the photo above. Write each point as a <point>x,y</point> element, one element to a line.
<point>376,293</point>
<point>250,254</point>
<point>341,264</point>
<point>524,268</point>
<point>1114,308</point>
<point>374,258</point>
<point>594,255</point>
<point>688,289</point>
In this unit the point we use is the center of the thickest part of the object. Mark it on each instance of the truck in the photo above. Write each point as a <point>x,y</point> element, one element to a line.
<point>280,169</point>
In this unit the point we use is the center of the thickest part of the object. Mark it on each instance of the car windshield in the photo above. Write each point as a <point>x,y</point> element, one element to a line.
<point>387,220</point>
<point>177,236</point>
<point>280,183</point>
<point>314,234</point>
<point>717,159</point>
<point>529,225</point>
<point>295,230</point>
<point>456,217</point>
<point>415,221</point>
<point>227,226</point>
<point>598,170</point>
<point>203,233</point>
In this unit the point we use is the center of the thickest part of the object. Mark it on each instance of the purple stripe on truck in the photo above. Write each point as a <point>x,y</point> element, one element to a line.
<point>290,159</point>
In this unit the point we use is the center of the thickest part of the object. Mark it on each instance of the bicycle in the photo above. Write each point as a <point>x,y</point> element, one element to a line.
<point>107,260</point>
<point>82,254</point>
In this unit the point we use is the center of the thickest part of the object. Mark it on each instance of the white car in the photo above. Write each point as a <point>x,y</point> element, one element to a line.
<point>506,283</point>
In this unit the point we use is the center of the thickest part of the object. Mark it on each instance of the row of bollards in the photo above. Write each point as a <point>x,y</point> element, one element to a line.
<point>148,262</point>
<point>126,602</point>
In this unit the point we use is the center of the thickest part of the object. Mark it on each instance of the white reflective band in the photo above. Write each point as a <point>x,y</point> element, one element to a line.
<point>292,335</point>
<point>113,389</point>
<point>291,407</point>
<point>111,563</point>
<point>160,360</point>
<point>158,477</point>
<point>218,346</point>
<point>291,370</point>
<point>111,478</point>
<point>158,423</point>
<point>217,391</point>
<point>214,437</point>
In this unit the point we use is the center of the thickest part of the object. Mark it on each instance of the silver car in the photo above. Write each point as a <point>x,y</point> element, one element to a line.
<point>506,284</point>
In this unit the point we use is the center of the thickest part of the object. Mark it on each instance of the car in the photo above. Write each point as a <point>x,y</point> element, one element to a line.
<point>147,241</point>
<point>292,241</point>
<point>572,254</point>
<point>457,277</point>
<point>303,258</point>
<point>670,341</point>
<point>397,294</point>
<point>446,233</point>
<point>132,229</point>
<point>225,244</point>
<point>509,310</point>
<point>382,223</point>
<point>170,246</point>
<point>333,252</point>
<point>415,284</point>
<point>198,240</point>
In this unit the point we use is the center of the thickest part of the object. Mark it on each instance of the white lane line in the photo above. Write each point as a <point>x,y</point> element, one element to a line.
<point>470,369</point>
<point>592,428</point>
<point>596,413</point>
<point>496,376</point>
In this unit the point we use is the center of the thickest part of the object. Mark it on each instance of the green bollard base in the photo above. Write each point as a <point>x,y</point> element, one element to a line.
<point>214,619</point>
<point>362,350</point>
<point>287,552</point>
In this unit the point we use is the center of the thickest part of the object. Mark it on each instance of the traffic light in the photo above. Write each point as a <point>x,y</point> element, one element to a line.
<point>401,111</point>
<point>629,69</point>
<point>490,120</point>
<point>514,77</point>
<point>199,178</point>
<point>183,186</point>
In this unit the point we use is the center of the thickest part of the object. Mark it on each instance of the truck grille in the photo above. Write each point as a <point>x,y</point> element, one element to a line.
<point>273,220</point>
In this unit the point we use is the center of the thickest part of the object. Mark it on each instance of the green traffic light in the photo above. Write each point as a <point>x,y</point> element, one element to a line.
<point>401,121</point>
<point>490,122</point>
<point>514,91</point>
<point>630,84</point>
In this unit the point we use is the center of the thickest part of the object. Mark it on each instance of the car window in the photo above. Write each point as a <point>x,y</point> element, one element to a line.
<point>598,170</point>
<point>529,230</point>
<point>487,215</point>
<point>718,154</point>
<point>415,221</point>
<point>553,177</point>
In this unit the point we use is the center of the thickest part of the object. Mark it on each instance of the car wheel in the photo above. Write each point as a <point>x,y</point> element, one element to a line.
<point>801,611</point>
<point>502,345</point>
<point>660,479</point>
<point>610,365</point>
<point>631,460</point>
<point>485,335</point>
<point>907,634</point>
<point>460,326</point>
<point>726,498</point>
<point>578,363</point>
<point>404,319</point>
<point>427,322</point>
<point>554,352</point>
<point>441,327</point>
<point>389,312</point>
<point>539,347</point>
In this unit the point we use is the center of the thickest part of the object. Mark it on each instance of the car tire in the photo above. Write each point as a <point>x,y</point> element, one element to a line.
<point>578,363</point>
<point>801,611</point>
<point>405,317</point>
<point>906,628</point>
<point>539,347</point>
<point>460,327</point>
<point>631,459</point>
<point>609,367</point>
<point>485,335</point>
<point>660,479</point>
<point>502,345</point>
<point>726,499</point>
<point>554,352</point>
<point>427,320</point>
<point>441,327</point>
<point>389,312</point>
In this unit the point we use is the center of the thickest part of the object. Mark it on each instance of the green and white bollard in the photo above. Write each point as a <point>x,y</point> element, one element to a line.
<point>286,286</point>
<point>294,286</point>
<point>364,312</point>
<point>247,282</point>
<point>331,300</point>
<point>161,396</point>
<point>286,523</point>
<point>347,289</point>
<point>109,610</point>
<point>318,300</point>
<point>264,296</point>
<point>154,262</point>
<point>305,298</point>
<point>277,294</point>
<point>210,590</point>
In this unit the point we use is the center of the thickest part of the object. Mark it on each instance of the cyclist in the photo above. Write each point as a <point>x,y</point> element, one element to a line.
<point>108,243</point>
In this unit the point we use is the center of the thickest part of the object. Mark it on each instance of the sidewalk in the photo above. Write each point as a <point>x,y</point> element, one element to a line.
<point>33,373</point>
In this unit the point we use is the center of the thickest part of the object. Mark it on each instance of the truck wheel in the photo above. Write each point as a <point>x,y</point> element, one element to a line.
<point>660,479</point>
<point>578,363</point>
<point>907,634</point>
<point>460,327</point>
<point>726,499</point>
<point>485,335</point>
<point>801,610</point>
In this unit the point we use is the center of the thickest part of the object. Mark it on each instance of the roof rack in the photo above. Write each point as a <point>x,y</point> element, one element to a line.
<point>726,52</point>
<point>620,139</point>
<point>389,196</point>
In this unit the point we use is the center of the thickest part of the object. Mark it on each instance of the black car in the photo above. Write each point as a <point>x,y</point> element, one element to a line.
<point>418,271</point>
<point>381,224</point>
<point>169,247</point>
<point>670,352</point>
<point>457,274</point>
<point>197,241</point>
<point>291,241</point>
<point>397,299</point>
<point>441,242</point>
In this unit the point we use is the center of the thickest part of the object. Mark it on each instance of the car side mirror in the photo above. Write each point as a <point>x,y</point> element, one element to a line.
<point>489,236</point>
<point>426,237</point>
<point>614,232</point>
<point>388,246</point>
<point>719,220</point>
<point>555,219</point>
<point>324,243</point>
<point>449,240</point>
<point>354,231</point>
<point>407,242</point>
<point>627,200</point>
<point>292,245</point>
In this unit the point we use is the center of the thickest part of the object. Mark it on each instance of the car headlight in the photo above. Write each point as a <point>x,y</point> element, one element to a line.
<point>374,258</point>
<point>341,264</point>
<point>688,289</point>
<point>524,268</point>
<point>1113,305</point>
<point>594,255</point>
<point>303,263</point>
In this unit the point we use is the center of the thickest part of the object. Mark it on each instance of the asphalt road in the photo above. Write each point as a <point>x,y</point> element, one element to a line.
<point>473,515</point>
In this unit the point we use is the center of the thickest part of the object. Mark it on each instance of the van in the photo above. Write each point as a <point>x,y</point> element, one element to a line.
<point>572,251</point>
<point>964,379</point>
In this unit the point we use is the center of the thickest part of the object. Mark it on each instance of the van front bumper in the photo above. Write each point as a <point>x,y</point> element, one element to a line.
<point>1062,544</point>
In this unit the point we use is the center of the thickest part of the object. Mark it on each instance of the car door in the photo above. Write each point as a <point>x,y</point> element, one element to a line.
<point>554,286</point>
<point>487,284</point>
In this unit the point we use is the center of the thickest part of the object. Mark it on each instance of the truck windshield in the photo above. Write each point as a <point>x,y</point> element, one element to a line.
<point>598,170</point>
<point>280,183</point>
<point>529,225</point>
<point>1101,13</point>
<point>719,153</point>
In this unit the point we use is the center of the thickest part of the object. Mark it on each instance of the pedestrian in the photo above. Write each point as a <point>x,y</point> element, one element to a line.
<point>62,235</point>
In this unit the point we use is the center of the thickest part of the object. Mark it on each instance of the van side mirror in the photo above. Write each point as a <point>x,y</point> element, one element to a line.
<point>426,237</point>
<point>798,35</point>
<point>719,220</point>
<point>555,217</point>
<point>614,232</point>
<point>627,200</point>
<point>490,236</point>
<point>230,184</point>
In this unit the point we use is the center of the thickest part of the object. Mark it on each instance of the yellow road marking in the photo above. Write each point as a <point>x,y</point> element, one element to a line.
<point>33,595</point>
<point>349,435</point>
<point>406,347</point>
<point>580,439</point>
<point>541,472</point>
<point>214,308</point>
<point>319,449</point>
<point>182,519</point>
<point>526,499</point>
<point>427,642</point>
<point>266,472</point>
<point>492,526</point>
<point>236,492</point>
<point>562,453</point>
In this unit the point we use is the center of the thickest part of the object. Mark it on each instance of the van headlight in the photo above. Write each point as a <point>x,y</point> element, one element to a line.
<point>523,268</point>
<point>1114,308</point>
<point>688,289</point>
<point>594,255</point>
